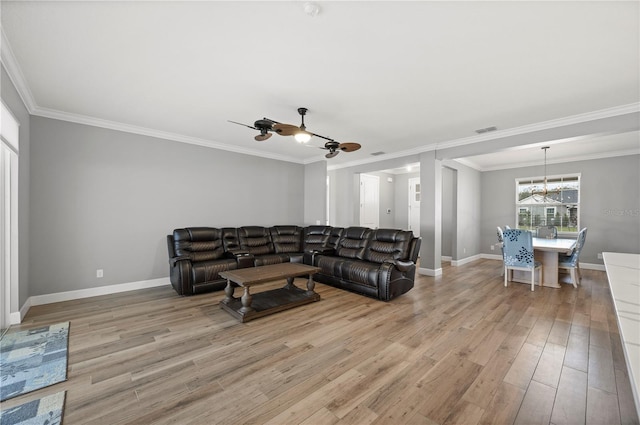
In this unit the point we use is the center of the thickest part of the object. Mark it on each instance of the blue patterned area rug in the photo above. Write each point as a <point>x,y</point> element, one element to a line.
<point>44,411</point>
<point>33,359</point>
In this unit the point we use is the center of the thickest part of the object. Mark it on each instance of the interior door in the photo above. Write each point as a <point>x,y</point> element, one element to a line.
<point>9,137</point>
<point>4,281</point>
<point>414,205</point>
<point>369,201</point>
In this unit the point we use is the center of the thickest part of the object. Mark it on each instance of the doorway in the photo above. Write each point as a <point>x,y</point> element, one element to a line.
<point>414,205</point>
<point>8,214</point>
<point>369,201</point>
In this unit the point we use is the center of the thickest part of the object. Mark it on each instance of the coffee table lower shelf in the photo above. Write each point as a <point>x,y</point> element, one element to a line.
<point>269,302</point>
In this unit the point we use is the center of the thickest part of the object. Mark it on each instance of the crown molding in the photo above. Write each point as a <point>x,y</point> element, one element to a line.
<point>128,128</point>
<point>14,71</point>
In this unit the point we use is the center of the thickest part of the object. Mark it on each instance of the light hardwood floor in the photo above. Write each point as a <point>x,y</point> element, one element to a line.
<point>457,349</point>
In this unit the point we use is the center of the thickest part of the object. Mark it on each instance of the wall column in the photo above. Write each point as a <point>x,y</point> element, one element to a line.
<point>430,214</point>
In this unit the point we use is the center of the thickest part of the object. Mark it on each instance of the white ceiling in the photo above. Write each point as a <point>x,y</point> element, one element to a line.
<point>394,76</point>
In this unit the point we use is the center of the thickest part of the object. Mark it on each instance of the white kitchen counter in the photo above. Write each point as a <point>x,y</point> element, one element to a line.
<point>623,271</point>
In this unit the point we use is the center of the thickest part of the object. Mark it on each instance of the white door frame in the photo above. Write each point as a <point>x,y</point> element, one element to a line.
<point>9,137</point>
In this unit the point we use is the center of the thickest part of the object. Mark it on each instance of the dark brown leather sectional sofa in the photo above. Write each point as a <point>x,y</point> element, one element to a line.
<point>379,263</point>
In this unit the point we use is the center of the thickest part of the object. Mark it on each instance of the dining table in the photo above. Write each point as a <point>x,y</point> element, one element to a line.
<point>547,251</point>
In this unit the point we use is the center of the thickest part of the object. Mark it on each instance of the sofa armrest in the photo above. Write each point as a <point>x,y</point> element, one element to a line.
<point>235,253</point>
<point>309,257</point>
<point>402,266</point>
<point>174,260</point>
<point>243,257</point>
<point>180,274</point>
<point>324,251</point>
<point>395,278</point>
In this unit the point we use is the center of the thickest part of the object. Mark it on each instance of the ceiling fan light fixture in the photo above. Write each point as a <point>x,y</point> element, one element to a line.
<point>268,126</point>
<point>302,136</point>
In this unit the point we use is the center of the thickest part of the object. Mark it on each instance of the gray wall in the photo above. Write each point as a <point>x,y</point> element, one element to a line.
<point>315,193</point>
<point>402,199</point>
<point>609,203</point>
<point>12,100</point>
<point>448,210</point>
<point>104,199</point>
<point>467,206</point>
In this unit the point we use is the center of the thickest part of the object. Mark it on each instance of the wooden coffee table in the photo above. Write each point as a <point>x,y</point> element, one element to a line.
<point>252,306</point>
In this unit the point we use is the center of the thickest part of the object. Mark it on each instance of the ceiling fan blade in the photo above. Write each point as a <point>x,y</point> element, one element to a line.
<point>286,129</point>
<point>350,146</point>
<point>332,154</point>
<point>245,125</point>
<point>262,137</point>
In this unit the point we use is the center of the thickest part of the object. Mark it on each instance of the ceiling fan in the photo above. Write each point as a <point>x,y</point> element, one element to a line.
<point>265,126</point>
<point>268,126</point>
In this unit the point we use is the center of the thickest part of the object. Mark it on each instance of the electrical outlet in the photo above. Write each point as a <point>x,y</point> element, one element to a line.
<point>599,256</point>
<point>99,273</point>
<point>493,247</point>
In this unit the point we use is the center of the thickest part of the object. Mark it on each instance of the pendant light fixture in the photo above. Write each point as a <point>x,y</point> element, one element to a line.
<point>544,189</point>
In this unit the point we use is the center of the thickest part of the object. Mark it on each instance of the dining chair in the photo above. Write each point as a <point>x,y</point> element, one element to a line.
<point>518,254</point>
<point>572,262</point>
<point>501,241</point>
<point>548,232</point>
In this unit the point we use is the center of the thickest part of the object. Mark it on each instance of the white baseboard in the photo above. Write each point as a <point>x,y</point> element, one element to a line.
<point>430,272</point>
<point>17,317</point>
<point>591,266</point>
<point>456,263</point>
<point>491,257</point>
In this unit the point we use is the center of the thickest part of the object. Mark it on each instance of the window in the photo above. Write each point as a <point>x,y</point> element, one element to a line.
<point>559,206</point>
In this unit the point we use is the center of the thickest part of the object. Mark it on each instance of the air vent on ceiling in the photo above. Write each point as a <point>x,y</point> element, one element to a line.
<point>377,153</point>
<point>487,129</point>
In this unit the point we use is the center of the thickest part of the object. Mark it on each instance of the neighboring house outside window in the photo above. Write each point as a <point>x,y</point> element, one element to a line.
<point>559,206</point>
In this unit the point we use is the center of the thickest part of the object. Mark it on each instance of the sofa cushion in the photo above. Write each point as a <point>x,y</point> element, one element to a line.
<point>388,245</point>
<point>207,271</point>
<point>362,272</point>
<point>255,239</point>
<point>198,243</point>
<point>316,237</point>
<point>352,270</point>
<point>286,239</point>
<point>230,239</point>
<point>353,242</point>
